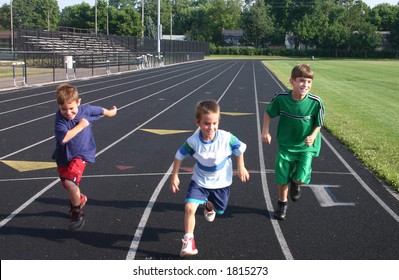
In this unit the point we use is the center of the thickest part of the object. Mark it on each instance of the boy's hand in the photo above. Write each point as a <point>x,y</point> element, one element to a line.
<point>82,124</point>
<point>111,112</point>
<point>266,138</point>
<point>309,140</point>
<point>243,174</point>
<point>174,184</point>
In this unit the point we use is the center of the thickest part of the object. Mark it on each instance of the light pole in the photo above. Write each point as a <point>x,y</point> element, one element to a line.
<point>159,29</point>
<point>11,28</point>
<point>142,18</point>
<point>95,15</point>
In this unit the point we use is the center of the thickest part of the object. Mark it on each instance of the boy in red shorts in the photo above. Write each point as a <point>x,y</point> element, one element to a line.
<point>75,146</point>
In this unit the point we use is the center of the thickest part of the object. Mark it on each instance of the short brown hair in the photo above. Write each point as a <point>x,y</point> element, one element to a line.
<point>66,93</point>
<point>206,107</point>
<point>302,71</point>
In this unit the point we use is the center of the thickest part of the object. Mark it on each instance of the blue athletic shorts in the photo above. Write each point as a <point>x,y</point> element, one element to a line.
<point>200,195</point>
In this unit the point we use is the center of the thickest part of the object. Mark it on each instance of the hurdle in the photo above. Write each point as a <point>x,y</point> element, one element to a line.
<point>139,62</point>
<point>159,61</point>
<point>68,66</point>
<point>14,73</point>
<point>107,68</point>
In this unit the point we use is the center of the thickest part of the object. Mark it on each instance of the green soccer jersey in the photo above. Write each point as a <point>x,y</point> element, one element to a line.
<point>297,121</point>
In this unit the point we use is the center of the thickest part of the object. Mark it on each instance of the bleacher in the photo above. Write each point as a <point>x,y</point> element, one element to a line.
<point>67,43</point>
<point>86,48</point>
<point>50,49</point>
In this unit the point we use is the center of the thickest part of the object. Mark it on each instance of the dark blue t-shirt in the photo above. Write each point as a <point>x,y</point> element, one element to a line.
<point>82,145</point>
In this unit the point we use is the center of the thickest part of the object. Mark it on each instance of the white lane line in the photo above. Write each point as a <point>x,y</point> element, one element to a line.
<point>362,183</point>
<point>99,82</point>
<point>119,109</point>
<point>147,212</point>
<point>26,204</point>
<point>267,171</point>
<point>29,201</point>
<point>163,71</point>
<point>99,99</point>
<point>146,215</point>
<point>351,170</point>
<point>269,205</point>
<point>27,147</point>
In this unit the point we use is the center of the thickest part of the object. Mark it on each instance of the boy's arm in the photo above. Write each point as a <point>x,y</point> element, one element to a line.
<point>266,137</point>
<point>111,112</point>
<point>175,181</point>
<point>82,124</point>
<point>241,170</point>
<point>310,139</point>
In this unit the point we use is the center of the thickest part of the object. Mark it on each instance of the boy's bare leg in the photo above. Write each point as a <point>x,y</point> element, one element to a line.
<point>73,192</point>
<point>189,217</point>
<point>283,192</point>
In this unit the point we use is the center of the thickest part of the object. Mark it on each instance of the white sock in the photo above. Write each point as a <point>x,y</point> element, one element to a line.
<point>188,236</point>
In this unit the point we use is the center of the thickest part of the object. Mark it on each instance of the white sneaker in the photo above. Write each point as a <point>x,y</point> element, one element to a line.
<point>188,248</point>
<point>209,215</point>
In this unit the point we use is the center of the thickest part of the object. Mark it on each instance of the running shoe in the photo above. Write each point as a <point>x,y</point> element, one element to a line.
<point>83,200</point>
<point>295,191</point>
<point>188,248</point>
<point>77,218</point>
<point>281,211</point>
<point>209,214</point>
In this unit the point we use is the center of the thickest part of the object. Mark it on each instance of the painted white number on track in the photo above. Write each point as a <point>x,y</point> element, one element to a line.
<point>325,197</point>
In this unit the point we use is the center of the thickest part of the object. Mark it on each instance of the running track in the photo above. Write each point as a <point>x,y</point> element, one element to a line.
<point>346,213</point>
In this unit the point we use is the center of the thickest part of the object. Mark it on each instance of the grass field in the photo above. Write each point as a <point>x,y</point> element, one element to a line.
<point>362,103</point>
<point>6,70</point>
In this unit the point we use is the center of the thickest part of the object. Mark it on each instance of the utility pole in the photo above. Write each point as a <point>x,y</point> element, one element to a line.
<point>95,12</point>
<point>159,29</point>
<point>11,28</point>
<point>142,18</point>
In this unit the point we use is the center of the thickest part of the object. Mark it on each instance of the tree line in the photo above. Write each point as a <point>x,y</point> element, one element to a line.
<point>327,24</point>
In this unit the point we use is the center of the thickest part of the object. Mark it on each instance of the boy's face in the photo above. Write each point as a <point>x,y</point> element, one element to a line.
<point>208,124</point>
<point>301,86</point>
<point>70,109</point>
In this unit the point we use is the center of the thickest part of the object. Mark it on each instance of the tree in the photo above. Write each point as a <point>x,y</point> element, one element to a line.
<point>258,24</point>
<point>365,39</point>
<point>78,16</point>
<point>304,18</point>
<point>182,13</point>
<point>43,14</point>
<point>335,37</point>
<point>120,4</point>
<point>221,14</point>
<point>125,21</point>
<point>5,17</point>
<point>394,37</point>
<point>383,16</point>
<point>196,24</point>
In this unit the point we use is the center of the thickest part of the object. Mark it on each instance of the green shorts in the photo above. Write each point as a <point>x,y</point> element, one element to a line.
<point>297,166</point>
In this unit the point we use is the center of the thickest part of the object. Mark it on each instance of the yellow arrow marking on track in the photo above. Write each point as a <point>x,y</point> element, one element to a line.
<point>23,166</point>
<point>236,114</point>
<point>165,131</point>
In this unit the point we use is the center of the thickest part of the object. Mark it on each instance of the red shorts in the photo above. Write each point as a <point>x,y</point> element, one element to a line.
<point>73,172</point>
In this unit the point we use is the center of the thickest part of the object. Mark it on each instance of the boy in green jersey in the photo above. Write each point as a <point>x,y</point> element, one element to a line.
<point>301,118</point>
